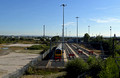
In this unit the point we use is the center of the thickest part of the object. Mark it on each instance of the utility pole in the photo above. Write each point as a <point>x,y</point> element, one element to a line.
<point>63,5</point>
<point>43,30</point>
<point>77,29</point>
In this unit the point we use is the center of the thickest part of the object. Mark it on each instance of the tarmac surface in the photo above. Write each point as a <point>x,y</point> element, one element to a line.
<point>14,61</point>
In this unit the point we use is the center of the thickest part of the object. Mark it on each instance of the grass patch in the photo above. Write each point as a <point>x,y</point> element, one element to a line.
<point>16,48</point>
<point>38,47</point>
<point>54,75</point>
<point>35,71</point>
<point>28,51</point>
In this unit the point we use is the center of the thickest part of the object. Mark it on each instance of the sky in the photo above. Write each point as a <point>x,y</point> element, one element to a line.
<point>27,17</point>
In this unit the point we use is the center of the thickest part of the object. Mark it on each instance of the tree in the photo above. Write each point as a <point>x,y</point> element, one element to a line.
<point>110,69</point>
<point>55,38</point>
<point>95,66</point>
<point>86,37</point>
<point>76,67</point>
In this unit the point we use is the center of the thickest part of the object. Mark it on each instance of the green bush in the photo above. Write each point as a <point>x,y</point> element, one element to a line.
<point>30,70</point>
<point>95,66</point>
<point>110,69</point>
<point>38,47</point>
<point>76,67</point>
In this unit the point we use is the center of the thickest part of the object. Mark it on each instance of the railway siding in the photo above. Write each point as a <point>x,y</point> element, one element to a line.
<point>73,51</point>
<point>83,56</point>
<point>86,50</point>
<point>82,51</point>
<point>97,55</point>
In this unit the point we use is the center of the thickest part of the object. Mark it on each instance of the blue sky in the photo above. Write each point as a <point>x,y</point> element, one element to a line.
<point>27,17</point>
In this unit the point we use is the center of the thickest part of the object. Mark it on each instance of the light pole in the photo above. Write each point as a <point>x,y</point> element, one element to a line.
<point>77,29</point>
<point>89,30</point>
<point>110,31</point>
<point>66,32</point>
<point>50,48</point>
<point>63,28</point>
<point>43,30</point>
<point>69,33</point>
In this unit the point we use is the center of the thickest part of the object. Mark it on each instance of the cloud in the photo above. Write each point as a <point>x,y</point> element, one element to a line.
<point>106,20</point>
<point>70,24</point>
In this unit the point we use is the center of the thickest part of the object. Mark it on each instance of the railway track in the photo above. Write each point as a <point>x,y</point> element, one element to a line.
<point>69,49</point>
<point>85,50</point>
<point>83,55</point>
<point>68,52</point>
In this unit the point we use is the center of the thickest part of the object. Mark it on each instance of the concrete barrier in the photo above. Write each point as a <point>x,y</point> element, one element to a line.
<point>18,73</point>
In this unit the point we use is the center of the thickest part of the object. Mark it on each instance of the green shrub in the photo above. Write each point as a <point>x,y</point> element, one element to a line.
<point>38,47</point>
<point>95,66</point>
<point>30,70</point>
<point>110,69</point>
<point>76,67</point>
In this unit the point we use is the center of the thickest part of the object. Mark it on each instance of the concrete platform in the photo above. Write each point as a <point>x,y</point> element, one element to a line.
<point>14,61</point>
